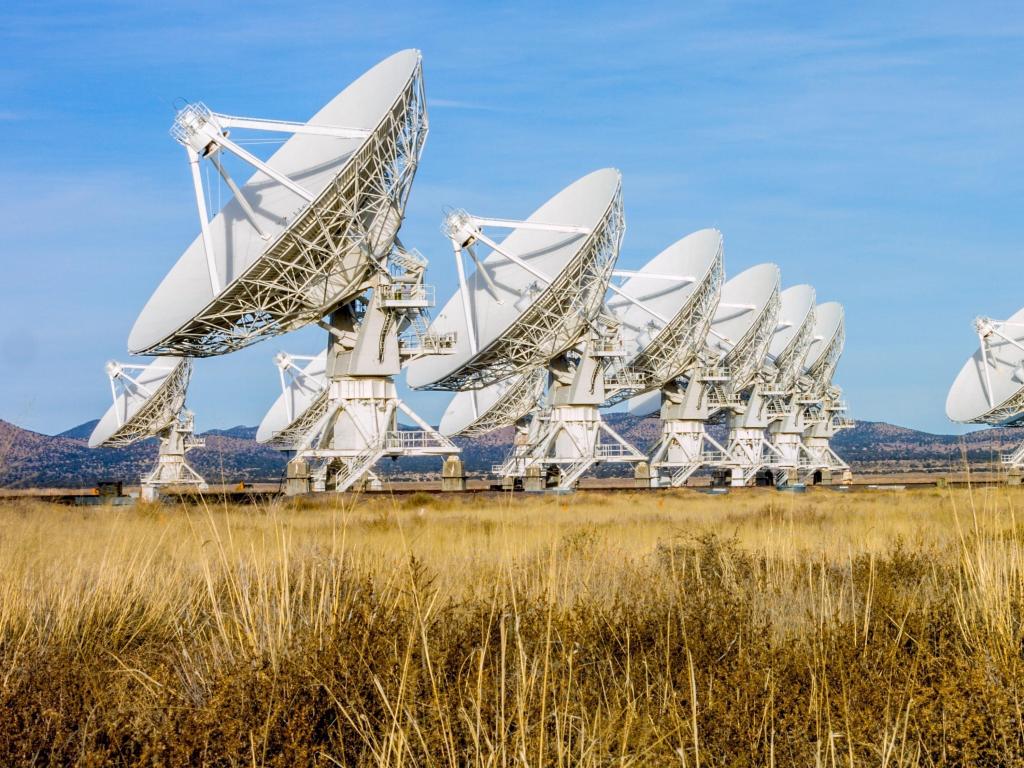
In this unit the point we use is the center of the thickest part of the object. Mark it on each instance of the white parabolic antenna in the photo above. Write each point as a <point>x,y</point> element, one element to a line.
<point>301,404</point>
<point>149,401</point>
<point>534,295</point>
<point>990,386</point>
<point>300,236</point>
<point>740,331</point>
<point>827,346</point>
<point>745,322</point>
<point>145,403</point>
<point>670,305</point>
<point>475,412</point>
<point>794,334</point>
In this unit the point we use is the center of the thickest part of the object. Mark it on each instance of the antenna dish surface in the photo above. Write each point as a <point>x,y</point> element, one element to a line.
<point>998,397</point>
<point>148,403</point>
<point>301,404</point>
<point>791,341</point>
<point>745,322</point>
<point>474,412</point>
<point>827,345</point>
<point>663,347</point>
<point>316,255</point>
<point>523,321</point>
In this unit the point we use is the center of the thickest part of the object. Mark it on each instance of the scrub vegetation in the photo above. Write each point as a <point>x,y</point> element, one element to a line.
<point>661,628</point>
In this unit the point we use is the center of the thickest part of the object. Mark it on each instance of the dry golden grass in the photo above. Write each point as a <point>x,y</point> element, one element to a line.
<point>871,628</point>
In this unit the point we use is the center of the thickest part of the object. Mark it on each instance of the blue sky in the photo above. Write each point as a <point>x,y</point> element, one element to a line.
<point>871,149</point>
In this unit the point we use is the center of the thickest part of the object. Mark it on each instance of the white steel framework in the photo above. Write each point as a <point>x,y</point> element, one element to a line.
<point>1009,412</point>
<point>163,416</point>
<point>824,419</point>
<point>672,345</point>
<point>352,422</point>
<point>769,403</point>
<point>567,301</point>
<point>715,385</point>
<point>521,398</point>
<point>566,439</point>
<point>569,436</point>
<point>327,253</point>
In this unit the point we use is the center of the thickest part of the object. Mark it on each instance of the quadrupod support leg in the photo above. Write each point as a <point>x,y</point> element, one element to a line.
<point>172,469</point>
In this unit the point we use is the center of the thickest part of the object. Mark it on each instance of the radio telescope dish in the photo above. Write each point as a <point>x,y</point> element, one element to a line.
<point>301,404</point>
<point>534,295</point>
<point>302,235</point>
<point>794,333</point>
<point>666,307</point>
<point>827,345</point>
<point>149,401</point>
<point>146,403</point>
<point>475,412</point>
<point>990,386</point>
<point>745,322</point>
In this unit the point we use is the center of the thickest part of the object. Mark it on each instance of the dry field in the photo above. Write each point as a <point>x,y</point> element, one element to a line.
<point>868,628</point>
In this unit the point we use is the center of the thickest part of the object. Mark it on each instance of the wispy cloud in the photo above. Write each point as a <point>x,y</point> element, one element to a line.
<point>457,104</point>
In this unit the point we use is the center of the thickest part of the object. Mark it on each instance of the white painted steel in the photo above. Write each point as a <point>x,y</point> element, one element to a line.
<point>319,254</point>
<point>793,335</point>
<point>301,404</point>
<point>147,400</point>
<point>826,347</point>
<point>476,412</point>
<point>560,271</point>
<point>744,323</point>
<point>666,308</point>
<point>990,387</point>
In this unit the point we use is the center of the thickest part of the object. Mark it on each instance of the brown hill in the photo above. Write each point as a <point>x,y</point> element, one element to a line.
<point>31,459</point>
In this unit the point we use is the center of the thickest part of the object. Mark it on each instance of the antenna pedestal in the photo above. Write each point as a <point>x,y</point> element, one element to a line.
<point>684,445</point>
<point>368,342</point>
<point>361,428</point>
<point>567,441</point>
<point>787,440</point>
<point>171,467</point>
<point>570,436</point>
<point>823,461</point>
<point>750,452</point>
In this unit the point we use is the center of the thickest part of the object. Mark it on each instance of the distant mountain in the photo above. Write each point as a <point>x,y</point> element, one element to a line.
<point>240,432</point>
<point>30,459</point>
<point>81,432</point>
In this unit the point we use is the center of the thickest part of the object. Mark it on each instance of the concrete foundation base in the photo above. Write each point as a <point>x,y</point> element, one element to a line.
<point>534,481</point>
<point>642,475</point>
<point>453,475</point>
<point>297,478</point>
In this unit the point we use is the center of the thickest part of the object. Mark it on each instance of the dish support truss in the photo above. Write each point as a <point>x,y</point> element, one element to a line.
<point>825,418</point>
<point>1000,413</point>
<point>566,439</point>
<point>711,387</point>
<point>515,403</point>
<point>769,409</point>
<point>163,416</point>
<point>353,423</point>
<point>553,323</point>
<point>325,254</point>
<point>673,343</point>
